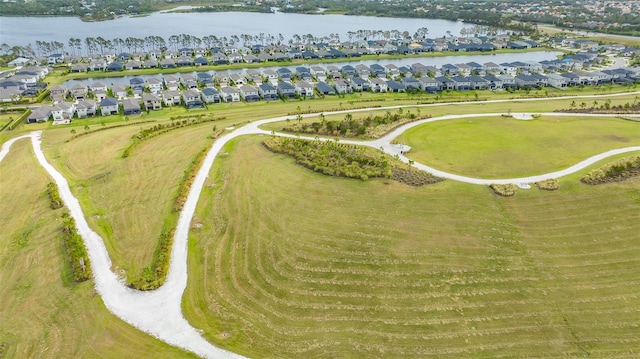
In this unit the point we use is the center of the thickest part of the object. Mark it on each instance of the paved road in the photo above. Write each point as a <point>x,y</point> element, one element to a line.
<point>159,312</point>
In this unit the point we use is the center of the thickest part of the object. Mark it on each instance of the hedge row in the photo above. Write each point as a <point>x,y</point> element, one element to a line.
<point>504,190</point>
<point>153,278</point>
<point>548,185</point>
<point>363,127</point>
<point>55,201</point>
<point>109,128</point>
<point>76,250</point>
<point>614,172</point>
<point>164,128</point>
<point>190,175</point>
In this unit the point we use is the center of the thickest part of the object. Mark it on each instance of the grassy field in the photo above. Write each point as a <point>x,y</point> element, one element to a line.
<point>291,263</point>
<point>127,201</point>
<point>44,313</point>
<point>499,147</point>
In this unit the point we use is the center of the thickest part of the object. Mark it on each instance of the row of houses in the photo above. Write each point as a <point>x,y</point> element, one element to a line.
<point>111,61</point>
<point>64,111</point>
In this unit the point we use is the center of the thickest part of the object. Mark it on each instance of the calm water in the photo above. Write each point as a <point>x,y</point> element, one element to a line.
<point>25,30</point>
<point>430,61</point>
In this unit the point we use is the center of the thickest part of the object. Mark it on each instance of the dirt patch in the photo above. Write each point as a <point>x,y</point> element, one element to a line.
<point>617,138</point>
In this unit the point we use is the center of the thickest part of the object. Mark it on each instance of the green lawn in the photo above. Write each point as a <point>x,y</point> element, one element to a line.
<point>290,263</point>
<point>499,147</point>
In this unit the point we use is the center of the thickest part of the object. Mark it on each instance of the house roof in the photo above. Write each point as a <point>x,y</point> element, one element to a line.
<point>109,101</point>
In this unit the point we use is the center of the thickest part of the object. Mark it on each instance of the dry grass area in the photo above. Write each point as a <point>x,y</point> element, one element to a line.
<point>44,314</point>
<point>127,201</point>
<point>290,263</point>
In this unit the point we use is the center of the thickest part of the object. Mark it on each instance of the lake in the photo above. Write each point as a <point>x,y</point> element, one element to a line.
<point>428,61</point>
<point>24,30</point>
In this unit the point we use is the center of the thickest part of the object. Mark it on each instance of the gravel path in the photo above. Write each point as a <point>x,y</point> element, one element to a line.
<point>159,312</point>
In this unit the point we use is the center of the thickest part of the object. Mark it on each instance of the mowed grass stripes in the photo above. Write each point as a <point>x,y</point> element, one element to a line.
<point>285,262</point>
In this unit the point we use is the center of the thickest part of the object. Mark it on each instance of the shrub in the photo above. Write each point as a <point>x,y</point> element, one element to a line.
<point>76,250</point>
<point>548,185</point>
<point>153,278</point>
<point>55,201</point>
<point>504,190</point>
<point>614,172</point>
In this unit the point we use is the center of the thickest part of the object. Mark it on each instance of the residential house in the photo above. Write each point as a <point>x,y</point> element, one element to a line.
<point>167,63</point>
<point>429,84</point>
<point>324,89</point>
<point>477,83</point>
<point>63,112</point>
<point>221,79</point>
<point>119,91</point>
<point>507,81</point>
<point>171,97</point>
<point>97,65</point>
<point>229,94</point>
<point>40,114</point>
<point>319,73</point>
<point>342,86</point>
<point>151,101</point>
<point>109,106</point>
<point>249,93</point>
<point>191,99</point>
<point>155,85</point>
<point>304,89</point>
<point>395,86</point>
<point>201,61</point>
<point>151,63</point>
<point>411,83</point>
<point>359,84</point>
<point>205,78</point>
<point>184,61</point>
<point>210,95</point>
<point>268,92</point>
<point>131,106</point>
<point>133,65</point>
<point>237,79</point>
<point>171,82</point>
<point>445,83</point>
<point>79,91</point>
<point>286,90</point>
<point>377,84</point>
<point>557,81</point>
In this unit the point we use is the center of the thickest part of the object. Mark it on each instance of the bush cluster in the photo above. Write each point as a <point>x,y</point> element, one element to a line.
<point>614,172</point>
<point>504,190</point>
<point>331,158</point>
<point>160,128</point>
<point>343,160</point>
<point>353,127</point>
<point>55,201</point>
<point>413,176</point>
<point>548,185</point>
<point>76,250</point>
